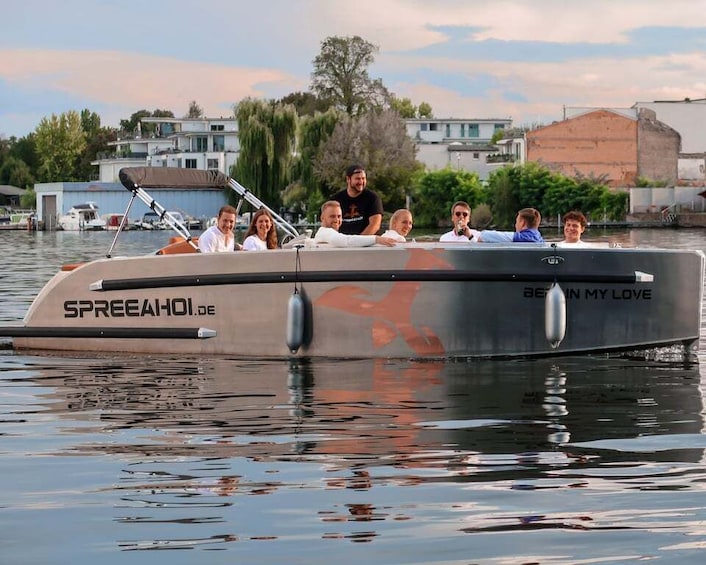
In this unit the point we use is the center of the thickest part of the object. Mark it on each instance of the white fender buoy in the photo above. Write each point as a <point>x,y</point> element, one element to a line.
<point>555,315</point>
<point>295,322</point>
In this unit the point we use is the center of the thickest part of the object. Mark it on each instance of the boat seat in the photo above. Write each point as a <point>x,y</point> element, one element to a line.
<point>178,245</point>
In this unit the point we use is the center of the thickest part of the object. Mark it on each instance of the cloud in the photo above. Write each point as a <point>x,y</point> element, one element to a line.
<point>132,81</point>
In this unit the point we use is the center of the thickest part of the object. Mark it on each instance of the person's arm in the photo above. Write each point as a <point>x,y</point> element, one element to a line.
<point>492,236</point>
<point>336,239</point>
<point>374,223</point>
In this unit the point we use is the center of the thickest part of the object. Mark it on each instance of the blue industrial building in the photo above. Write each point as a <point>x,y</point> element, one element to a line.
<point>56,198</point>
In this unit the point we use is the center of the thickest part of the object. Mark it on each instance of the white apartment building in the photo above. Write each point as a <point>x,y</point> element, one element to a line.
<point>188,143</point>
<point>208,143</point>
<point>462,144</point>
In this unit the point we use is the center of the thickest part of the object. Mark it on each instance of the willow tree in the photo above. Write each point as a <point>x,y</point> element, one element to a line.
<point>307,192</point>
<point>267,133</point>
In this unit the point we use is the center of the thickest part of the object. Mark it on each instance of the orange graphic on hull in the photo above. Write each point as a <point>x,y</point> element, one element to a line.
<point>392,315</point>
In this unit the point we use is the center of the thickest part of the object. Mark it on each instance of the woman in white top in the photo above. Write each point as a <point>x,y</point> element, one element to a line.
<point>261,234</point>
<point>400,225</point>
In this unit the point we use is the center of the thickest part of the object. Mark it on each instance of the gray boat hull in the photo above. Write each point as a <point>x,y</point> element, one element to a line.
<point>412,301</point>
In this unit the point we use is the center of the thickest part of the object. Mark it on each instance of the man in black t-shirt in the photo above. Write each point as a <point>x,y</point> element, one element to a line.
<point>362,209</point>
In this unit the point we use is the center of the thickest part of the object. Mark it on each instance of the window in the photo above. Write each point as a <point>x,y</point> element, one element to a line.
<point>217,127</point>
<point>476,155</point>
<point>463,130</point>
<point>472,130</point>
<point>189,163</point>
<point>200,143</point>
<point>499,127</point>
<point>433,127</point>
<point>212,164</point>
<point>219,143</point>
<point>424,127</point>
<point>448,130</point>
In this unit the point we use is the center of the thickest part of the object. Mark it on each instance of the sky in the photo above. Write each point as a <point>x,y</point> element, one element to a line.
<point>519,59</point>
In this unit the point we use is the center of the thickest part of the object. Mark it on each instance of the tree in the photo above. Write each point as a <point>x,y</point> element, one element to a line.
<point>267,133</point>
<point>25,149</point>
<point>307,192</point>
<point>60,144</point>
<point>16,172</point>
<point>305,103</point>
<point>435,192</point>
<point>377,140</point>
<point>195,111</point>
<point>341,75</point>
<point>425,110</point>
<point>404,107</point>
<point>130,125</point>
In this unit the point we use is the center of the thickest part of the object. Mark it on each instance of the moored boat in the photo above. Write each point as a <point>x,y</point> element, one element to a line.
<point>17,219</point>
<point>82,217</point>
<point>416,300</point>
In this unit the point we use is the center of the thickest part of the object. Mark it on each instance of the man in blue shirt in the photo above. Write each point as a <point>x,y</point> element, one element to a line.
<point>526,230</point>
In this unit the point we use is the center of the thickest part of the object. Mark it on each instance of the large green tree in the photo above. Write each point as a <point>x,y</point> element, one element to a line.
<point>341,75</point>
<point>267,133</point>
<point>61,142</point>
<point>377,140</point>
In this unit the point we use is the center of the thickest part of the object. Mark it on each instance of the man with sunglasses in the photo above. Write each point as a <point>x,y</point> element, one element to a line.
<point>460,216</point>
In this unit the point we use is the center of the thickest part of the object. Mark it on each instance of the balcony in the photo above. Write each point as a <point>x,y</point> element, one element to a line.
<point>500,158</point>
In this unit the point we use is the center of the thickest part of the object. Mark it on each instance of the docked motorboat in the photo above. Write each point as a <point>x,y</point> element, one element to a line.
<point>415,300</point>
<point>82,217</point>
<point>17,219</point>
<point>112,222</point>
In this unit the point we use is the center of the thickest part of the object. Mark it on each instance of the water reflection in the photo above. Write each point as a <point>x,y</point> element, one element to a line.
<point>350,410</point>
<point>244,450</point>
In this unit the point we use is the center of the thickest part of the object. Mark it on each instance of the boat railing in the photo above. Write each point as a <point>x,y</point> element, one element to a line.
<point>669,214</point>
<point>253,200</point>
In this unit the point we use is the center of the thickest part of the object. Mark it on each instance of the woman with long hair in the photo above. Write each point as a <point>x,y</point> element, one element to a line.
<point>261,234</point>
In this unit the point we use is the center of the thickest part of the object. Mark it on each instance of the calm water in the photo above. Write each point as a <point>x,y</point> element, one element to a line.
<point>171,460</point>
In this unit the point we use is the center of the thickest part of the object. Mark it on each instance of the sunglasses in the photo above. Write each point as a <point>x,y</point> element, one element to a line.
<point>459,214</point>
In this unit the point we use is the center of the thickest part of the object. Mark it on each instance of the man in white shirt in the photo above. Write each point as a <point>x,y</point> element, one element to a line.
<point>220,237</point>
<point>460,216</point>
<point>331,220</point>
<point>574,226</point>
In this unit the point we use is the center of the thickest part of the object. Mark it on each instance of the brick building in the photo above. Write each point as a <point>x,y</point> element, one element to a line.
<point>619,145</point>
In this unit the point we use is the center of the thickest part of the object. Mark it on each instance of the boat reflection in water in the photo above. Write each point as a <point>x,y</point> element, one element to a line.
<point>456,447</point>
<point>349,413</point>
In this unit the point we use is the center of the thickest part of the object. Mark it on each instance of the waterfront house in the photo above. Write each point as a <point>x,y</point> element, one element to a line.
<point>188,143</point>
<point>463,144</point>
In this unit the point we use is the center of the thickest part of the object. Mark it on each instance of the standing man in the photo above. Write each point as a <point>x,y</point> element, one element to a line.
<point>362,209</point>
<point>220,237</point>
